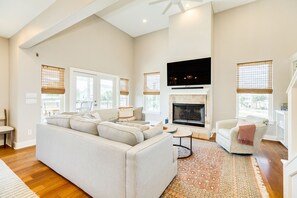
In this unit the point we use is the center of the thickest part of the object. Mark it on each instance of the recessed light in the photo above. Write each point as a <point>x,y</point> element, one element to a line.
<point>187,5</point>
<point>144,20</point>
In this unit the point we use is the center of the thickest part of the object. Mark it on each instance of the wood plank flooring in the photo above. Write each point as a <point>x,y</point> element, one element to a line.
<point>46,183</point>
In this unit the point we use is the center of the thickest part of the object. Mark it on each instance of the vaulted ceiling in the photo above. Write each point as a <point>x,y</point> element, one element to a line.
<point>135,17</point>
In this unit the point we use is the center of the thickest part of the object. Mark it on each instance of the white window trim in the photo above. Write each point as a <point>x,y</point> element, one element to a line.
<point>151,112</point>
<point>128,101</point>
<point>63,105</point>
<point>98,74</point>
<point>270,109</point>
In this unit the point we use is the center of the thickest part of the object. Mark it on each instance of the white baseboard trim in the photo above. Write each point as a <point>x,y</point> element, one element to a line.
<point>24,144</point>
<point>270,137</point>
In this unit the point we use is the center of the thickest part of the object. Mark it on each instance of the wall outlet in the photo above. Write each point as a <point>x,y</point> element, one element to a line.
<point>29,131</point>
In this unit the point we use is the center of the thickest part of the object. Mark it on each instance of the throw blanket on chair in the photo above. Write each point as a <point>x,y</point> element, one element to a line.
<point>246,134</point>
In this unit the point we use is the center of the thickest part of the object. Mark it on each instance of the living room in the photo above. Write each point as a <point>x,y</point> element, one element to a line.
<point>116,42</point>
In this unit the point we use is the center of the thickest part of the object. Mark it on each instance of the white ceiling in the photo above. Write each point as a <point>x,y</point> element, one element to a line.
<point>15,14</point>
<point>129,18</point>
<point>126,15</point>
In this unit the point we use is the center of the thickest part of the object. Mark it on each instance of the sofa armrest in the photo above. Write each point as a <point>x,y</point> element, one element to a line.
<point>95,164</point>
<point>150,167</point>
<point>226,124</point>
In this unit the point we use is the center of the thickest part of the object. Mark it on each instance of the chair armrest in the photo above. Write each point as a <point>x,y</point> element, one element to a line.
<point>234,133</point>
<point>226,124</point>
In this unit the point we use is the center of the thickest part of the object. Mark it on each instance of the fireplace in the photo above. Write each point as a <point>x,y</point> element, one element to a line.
<point>189,114</point>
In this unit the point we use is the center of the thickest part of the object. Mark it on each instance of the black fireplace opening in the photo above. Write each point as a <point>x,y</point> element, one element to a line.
<point>189,114</point>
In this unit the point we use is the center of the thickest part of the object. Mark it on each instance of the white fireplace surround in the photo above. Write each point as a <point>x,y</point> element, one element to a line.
<point>192,98</point>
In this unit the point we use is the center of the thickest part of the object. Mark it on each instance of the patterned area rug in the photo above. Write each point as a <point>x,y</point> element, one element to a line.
<point>11,186</point>
<point>213,172</point>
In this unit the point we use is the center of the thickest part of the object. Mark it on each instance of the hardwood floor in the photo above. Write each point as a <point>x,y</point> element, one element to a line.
<point>47,183</point>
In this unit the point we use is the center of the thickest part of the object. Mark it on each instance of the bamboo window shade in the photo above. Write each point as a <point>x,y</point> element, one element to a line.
<point>254,77</point>
<point>52,80</point>
<point>124,86</point>
<point>152,83</point>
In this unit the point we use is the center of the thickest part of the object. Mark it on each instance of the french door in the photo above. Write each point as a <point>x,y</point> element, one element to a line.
<point>85,91</point>
<point>92,90</point>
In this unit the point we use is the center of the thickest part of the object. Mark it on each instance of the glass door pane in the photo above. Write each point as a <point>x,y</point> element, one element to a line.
<point>106,93</point>
<point>85,92</point>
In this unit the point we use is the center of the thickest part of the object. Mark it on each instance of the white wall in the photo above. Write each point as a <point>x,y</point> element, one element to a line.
<point>190,34</point>
<point>4,73</point>
<point>151,55</point>
<point>188,37</point>
<point>93,44</point>
<point>264,30</point>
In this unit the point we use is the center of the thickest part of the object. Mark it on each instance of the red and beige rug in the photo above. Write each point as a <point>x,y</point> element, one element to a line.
<point>213,172</point>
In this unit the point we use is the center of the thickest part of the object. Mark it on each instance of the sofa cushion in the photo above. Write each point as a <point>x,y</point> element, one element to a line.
<point>107,114</point>
<point>85,123</point>
<point>140,126</point>
<point>153,131</point>
<point>61,120</point>
<point>120,133</point>
<point>137,112</point>
<point>142,122</point>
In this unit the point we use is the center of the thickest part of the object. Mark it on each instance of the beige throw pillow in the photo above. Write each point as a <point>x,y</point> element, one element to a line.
<point>153,131</point>
<point>137,112</point>
<point>119,133</point>
<point>85,123</point>
<point>62,120</point>
<point>140,126</point>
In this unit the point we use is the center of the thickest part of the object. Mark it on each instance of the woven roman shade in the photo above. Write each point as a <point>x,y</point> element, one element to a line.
<point>254,77</point>
<point>152,83</point>
<point>124,86</point>
<point>52,80</point>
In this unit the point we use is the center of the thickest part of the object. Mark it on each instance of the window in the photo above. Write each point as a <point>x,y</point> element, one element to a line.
<point>106,94</point>
<point>152,92</point>
<point>124,92</point>
<point>52,90</point>
<point>254,89</point>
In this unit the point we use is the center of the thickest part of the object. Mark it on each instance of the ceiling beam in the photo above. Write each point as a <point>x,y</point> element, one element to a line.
<point>69,19</point>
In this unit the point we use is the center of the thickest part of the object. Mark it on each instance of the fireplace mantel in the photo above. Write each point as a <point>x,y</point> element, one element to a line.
<point>192,98</point>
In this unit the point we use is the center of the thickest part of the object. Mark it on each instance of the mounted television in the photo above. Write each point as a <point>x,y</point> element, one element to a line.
<point>190,72</point>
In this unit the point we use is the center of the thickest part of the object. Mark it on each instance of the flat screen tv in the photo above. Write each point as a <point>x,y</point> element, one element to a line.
<point>190,72</point>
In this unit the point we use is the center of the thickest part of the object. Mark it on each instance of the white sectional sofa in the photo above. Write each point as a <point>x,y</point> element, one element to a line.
<point>106,168</point>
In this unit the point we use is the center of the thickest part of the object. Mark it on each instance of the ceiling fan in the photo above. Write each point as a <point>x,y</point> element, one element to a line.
<point>173,2</point>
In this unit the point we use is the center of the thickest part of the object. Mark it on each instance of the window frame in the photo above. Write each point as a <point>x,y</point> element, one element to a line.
<point>268,91</point>
<point>270,107</point>
<point>155,92</point>
<point>62,104</point>
<point>124,92</point>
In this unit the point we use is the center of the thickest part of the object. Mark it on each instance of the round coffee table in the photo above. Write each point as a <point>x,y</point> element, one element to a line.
<point>169,128</point>
<point>183,134</point>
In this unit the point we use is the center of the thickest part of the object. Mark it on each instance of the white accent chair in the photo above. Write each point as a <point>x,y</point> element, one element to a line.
<point>227,133</point>
<point>4,130</point>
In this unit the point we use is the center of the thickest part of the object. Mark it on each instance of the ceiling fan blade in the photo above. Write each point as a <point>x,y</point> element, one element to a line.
<point>180,5</point>
<point>155,2</point>
<point>166,9</point>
